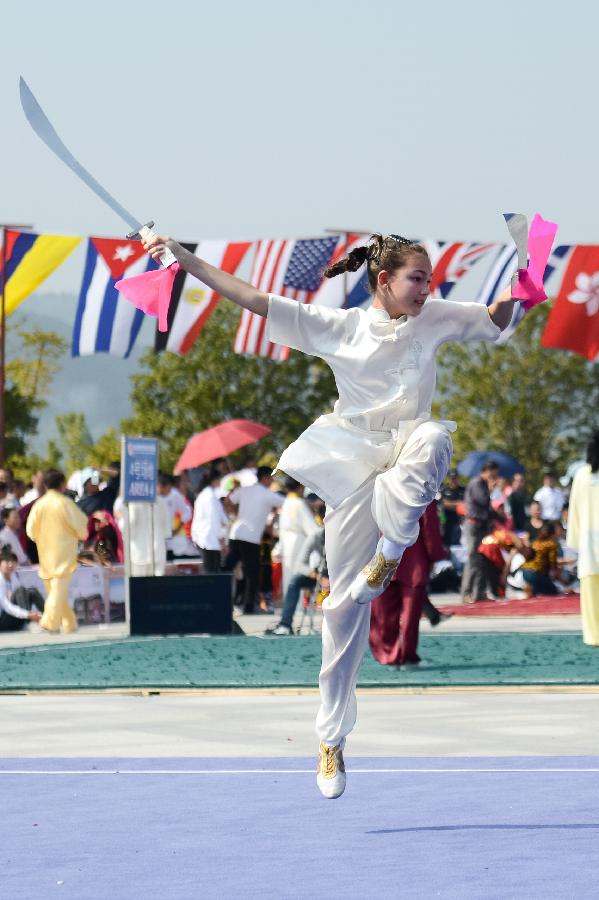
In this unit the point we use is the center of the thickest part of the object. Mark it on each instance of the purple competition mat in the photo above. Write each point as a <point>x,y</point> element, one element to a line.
<point>175,829</point>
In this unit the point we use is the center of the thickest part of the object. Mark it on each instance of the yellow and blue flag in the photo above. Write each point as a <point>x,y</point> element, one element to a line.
<point>28,260</point>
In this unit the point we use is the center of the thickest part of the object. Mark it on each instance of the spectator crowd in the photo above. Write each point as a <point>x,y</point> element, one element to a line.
<point>490,537</point>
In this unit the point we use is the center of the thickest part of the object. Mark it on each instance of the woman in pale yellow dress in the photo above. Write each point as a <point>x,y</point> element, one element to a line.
<point>583,536</point>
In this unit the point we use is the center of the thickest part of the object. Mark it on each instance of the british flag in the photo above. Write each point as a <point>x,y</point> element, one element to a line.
<point>451,261</point>
<point>289,268</point>
<point>499,277</point>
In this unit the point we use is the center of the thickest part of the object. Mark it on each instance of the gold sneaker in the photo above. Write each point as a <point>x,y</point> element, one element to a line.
<point>374,577</point>
<point>330,774</point>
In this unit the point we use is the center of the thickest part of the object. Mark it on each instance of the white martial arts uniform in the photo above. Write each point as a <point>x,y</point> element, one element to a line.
<point>378,460</point>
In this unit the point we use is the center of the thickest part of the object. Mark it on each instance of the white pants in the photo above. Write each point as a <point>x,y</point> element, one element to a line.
<point>391,502</point>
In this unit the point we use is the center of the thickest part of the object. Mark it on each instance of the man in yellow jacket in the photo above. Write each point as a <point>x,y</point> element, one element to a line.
<point>57,525</point>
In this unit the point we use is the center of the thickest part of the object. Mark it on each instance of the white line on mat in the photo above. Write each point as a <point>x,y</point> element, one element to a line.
<point>384,771</point>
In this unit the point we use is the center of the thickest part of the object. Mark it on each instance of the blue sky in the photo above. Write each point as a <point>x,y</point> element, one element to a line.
<point>276,119</point>
<point>267,118</point>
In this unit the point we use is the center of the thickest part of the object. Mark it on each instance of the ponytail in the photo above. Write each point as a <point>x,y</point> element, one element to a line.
<point>390,253</point>
<point>350,263</point>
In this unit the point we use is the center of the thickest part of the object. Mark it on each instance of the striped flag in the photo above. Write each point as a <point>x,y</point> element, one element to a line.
<point>192,303</point>
<point>499,275</point>
<point>498,278</point>
<point>105,322</point>
<point>30,258</point>
<point>291,268</point>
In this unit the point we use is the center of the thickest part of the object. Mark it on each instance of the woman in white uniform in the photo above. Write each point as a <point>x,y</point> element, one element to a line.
<point>378,460</point>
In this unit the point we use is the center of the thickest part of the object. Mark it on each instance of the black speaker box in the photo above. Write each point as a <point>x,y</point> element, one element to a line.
<point>181,604</point>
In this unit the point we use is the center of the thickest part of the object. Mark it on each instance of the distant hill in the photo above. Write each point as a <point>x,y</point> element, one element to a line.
<point>98,385</point>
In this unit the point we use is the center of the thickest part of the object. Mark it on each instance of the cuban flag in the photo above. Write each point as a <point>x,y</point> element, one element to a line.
<point>105,322</point>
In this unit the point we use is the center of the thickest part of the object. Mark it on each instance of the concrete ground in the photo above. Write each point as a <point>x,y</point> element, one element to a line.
<point>486,722</point>
<point>281,723</point>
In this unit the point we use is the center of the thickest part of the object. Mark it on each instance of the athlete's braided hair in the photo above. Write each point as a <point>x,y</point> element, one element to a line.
<point>381,253</point>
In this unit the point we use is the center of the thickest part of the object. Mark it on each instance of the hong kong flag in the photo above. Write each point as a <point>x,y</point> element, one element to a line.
<point>574,320</point>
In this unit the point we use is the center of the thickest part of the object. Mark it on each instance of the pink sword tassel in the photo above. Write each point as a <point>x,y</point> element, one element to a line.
<point>529,288</point>
<point>151,292</point>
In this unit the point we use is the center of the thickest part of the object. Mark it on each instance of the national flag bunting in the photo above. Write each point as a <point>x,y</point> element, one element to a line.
<point>192,303</point>
<point>499,276</point>
<point>347,290</point>
<point>451,262</point>
<point>291,268</point>
<point>573,323</point>
<point>29,259</point>
<point>105,322</point>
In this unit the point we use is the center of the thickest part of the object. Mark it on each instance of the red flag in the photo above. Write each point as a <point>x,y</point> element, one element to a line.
<point>192,303</point>
<point>574,320</point>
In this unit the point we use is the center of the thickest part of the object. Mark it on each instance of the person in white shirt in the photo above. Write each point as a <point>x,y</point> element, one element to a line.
<point>210,522</point>
<point>180,513</point>
<point>254,504</point>
<point>550,498</point>
<point>15,604</point>
<point>9,497</point>
<point>247,474</point>
<point>378,460</point>
<point>77,479</point>
<point>36,490</point>
<point>9,533</point>
<point>296,523</point>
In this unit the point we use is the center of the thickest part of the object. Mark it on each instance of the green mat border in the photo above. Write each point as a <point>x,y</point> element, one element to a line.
<point>192,663</point>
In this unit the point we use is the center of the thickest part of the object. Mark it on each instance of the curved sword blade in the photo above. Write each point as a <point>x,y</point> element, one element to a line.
<point>44,130</point>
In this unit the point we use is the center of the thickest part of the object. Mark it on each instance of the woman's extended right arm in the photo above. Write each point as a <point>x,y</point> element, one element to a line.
<point>240,292</point>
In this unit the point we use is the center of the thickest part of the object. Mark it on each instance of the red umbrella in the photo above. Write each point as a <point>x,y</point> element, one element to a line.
<point>219,441</point>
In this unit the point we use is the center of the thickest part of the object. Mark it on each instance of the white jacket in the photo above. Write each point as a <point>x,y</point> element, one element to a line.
<point>385,373</point>
<point>583,521</point>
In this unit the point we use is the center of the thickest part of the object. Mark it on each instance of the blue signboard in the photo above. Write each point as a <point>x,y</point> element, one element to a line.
<point>139,469</point>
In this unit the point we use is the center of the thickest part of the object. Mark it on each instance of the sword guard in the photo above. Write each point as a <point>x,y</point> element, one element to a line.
<point>145,231</point>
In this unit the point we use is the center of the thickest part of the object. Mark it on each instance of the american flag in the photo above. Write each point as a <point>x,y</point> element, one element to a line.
<point>347,290</point>
<point>290,268</point>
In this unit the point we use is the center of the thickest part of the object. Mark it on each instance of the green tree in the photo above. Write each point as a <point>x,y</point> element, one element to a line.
<point>107,448</point>
<point>74,440</point>
<point>173,396</point>
<point>37,362</point>
<point>24,465</point>
<point>538,404</point>
<point>20,421</point>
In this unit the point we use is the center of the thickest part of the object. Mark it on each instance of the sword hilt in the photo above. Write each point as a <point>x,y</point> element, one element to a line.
<point>167,258</point>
